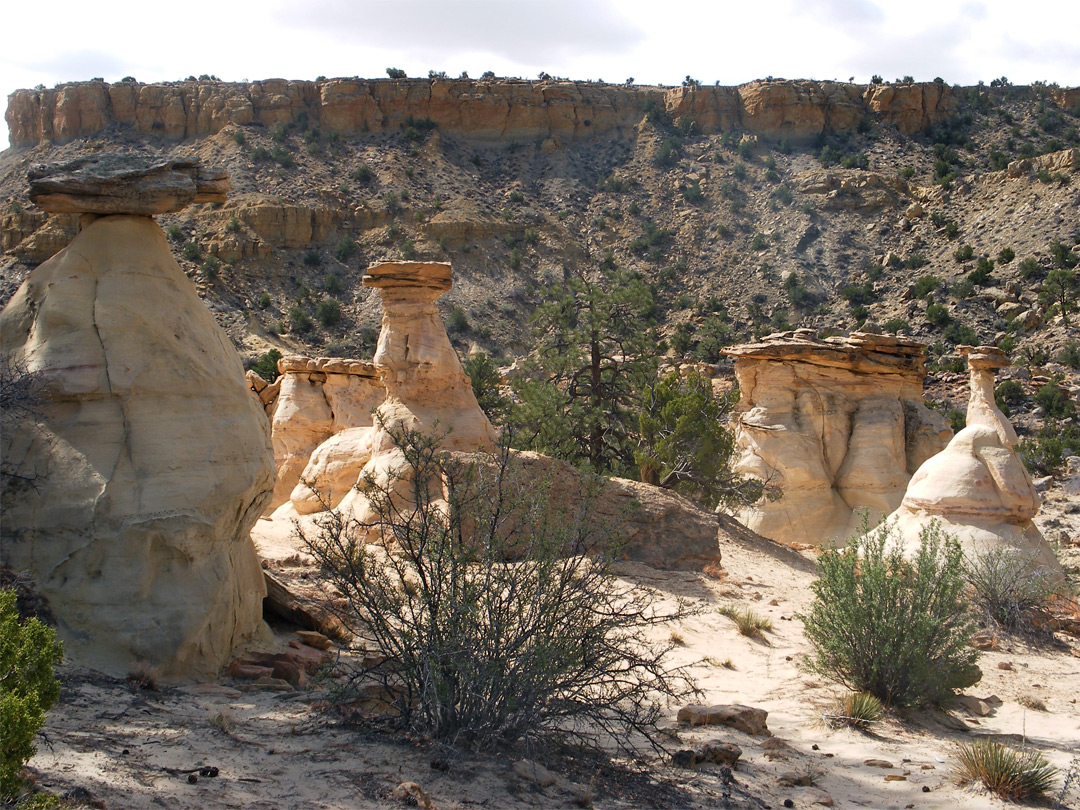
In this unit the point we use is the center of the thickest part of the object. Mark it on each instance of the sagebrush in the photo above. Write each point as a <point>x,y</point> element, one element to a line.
<point>1007,585</point>
<point>897,629</point>
<point>498,614</point>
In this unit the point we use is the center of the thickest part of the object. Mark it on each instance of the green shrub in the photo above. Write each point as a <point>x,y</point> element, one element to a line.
<point>266,365</point>
<point>264,300</point>
<point>328,311</point>
<point>1013,775</point>
<point>668,155</point>
<point>331,284</point>
<point>191,251</point>
<point>938,315</point>
<point>897,325</point>
<point>963,289</point>
<point>299,321</point>
<point>282,156</point>
<point>961,334</point>
<point>1044,454</point>
<point>894,628</point>
<point>1063,256</point>
<point>1069,355</point>
<point>486,383</point>
<point>759,242</point>
<point>1055,401</point>
<point>1031,269</point>
<point>981,274</point>
<point>345,249</point>
<point>209,269</point>
<point>856,294</point>
<point>499,615</point>
<point>925,285</point>
<point>1006,255</point>
<point>363,174</point>
<point>915,261</point>
<point>964,253</point>
<point>457,322</point>
<point>692,193</point>
<point>28,688</point>
<point>175,232</point>
<point>1009,393</point>
<point>312,258</point>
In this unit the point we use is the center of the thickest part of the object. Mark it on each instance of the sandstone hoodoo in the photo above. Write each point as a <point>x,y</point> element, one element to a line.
<point>149,460</point>
<point>312,401</point>
<point>838,425</point>
<point>977,487</point>
<point>326,435</point>
<point>420,386</point>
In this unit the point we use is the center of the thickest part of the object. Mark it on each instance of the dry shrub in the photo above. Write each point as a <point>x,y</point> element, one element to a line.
<point>512,624</point>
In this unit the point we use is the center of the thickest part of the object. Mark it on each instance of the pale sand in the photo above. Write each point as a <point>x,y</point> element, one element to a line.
<point>274,750</point>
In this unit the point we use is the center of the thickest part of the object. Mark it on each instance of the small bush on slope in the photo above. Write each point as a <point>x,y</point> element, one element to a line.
<point>894,628</point>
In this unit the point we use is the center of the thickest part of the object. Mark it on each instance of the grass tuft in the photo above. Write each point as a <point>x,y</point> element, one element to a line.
<point>749,623</point>
<point>1011,774</point>
<point>854,710</point>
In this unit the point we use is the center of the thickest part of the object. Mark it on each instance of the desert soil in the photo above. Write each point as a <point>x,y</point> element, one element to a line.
<point>110,743</point>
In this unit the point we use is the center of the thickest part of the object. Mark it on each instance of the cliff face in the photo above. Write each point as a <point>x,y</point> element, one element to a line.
<point>797,110</point>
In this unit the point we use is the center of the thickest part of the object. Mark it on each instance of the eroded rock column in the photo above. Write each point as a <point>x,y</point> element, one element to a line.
<point>150,459</point>
<point>977,487</point>
<point>837,425</point>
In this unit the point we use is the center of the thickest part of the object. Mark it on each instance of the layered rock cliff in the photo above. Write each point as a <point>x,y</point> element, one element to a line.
<point>497,109</point>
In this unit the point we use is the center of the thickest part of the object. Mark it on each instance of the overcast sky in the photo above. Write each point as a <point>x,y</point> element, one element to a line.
<point>653,41</point>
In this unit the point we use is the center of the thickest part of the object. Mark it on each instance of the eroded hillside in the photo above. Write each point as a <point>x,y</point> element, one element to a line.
<point>748,209</point>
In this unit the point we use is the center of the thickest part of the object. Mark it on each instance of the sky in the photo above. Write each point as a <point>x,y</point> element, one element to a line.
<point>654,42</point>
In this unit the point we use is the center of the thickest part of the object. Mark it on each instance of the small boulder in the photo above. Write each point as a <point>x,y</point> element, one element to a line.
<point>721,753</point>
<point>534,772</point>
<point>743,718</point>
<point>412,794</point>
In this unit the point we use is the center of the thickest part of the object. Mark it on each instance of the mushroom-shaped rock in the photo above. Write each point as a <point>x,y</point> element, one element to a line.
<point>977,487</point>
<point>426,388</point>
<point>838,425</point>
<point>150,459</point>
<point>110,183</point>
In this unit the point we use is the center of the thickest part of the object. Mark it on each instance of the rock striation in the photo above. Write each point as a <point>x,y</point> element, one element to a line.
<point>312,401</point>
<point>496,109</point>
<point>113,183</point>
<point>837,425</point>
<point>977,487</point>
<point>150,461</point>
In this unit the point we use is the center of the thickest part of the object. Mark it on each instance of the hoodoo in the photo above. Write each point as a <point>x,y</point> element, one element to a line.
<point>838,425</point>
<point>148,461</point>
<point>977,487</point>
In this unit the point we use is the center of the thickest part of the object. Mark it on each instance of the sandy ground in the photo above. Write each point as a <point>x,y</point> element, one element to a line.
<point>111,744</point>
